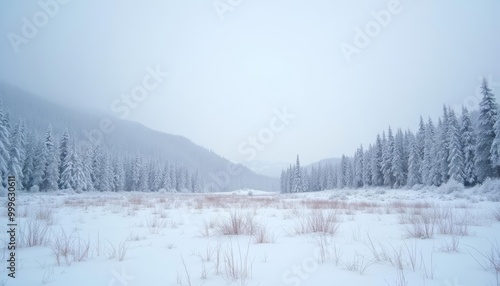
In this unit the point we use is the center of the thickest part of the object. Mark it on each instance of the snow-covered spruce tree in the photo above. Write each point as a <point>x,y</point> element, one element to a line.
<point>173,178</point>
<point>4,146</point>
<point>495,148</point>
<point>51,173</point>
<point>437,155</point>
<point>349,173</point>
<point>398,158</point>
<point>39,160</point>
<point>85,156</point>
<point>73,175</point>
<point>180,179</point>
<point>67,179</point>
<point>367,170</point>
<point>144,179</point>
<point>342,172</point>
<point>118,176</point>
<point>358,168</point>
<point>81,177</point>
<point>334,177</point>
<point>305,180</point>
<point>28,166</point>
<point>420,139</point>
<point>468,138</point>
<point>105,173</point>
<point>427,166</point>
<point>135,175</point>
<point>297,186</point>
<point>444,148</point>
<point>63,153</point>
<point>196,182</point>
<point>456,156</point>
<point>414,164</point>
<point>376,163</point>
<point>488,113</point>
<point>166,183</point>
<point>323,175</point>
<point>95,166</point>
<point>291,178</point>
<point>16,154</point>
<point>387,155</point>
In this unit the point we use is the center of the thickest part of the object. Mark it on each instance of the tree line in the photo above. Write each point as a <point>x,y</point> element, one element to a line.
<point>455,148</point>
<point>49,163</point>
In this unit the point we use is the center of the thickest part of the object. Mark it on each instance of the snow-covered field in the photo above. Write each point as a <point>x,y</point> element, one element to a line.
<point>362,237</point>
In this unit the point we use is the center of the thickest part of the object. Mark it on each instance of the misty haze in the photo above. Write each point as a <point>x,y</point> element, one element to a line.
<point>234,142</point>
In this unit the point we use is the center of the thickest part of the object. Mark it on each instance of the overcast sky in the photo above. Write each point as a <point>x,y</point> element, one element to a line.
<point>230,71</point>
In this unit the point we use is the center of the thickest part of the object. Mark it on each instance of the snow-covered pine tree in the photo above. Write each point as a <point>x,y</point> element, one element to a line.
<point>67,178</point>
<point>444,149</point>
<point>39,160</point>
<point>358,168</point>
<point>73,175</point>
<point>196,182</point>
<point>166,183</point>
<point>105,173</point>
<point>420,139</point>
<point>367,170</point>
<point>468,138</point>
<point>28,166</point>
<point>63,153</point>
<point>180,179</point>
<point>16,154</point>
<point>427,166</point>
<point>95,175</point>
<point>51,172</point>
<point>349,173</point>
<point>81,177</point>
<point>85,156</point>
<point>333,178</point>
<point>173,178</point>
<point>456,156</point>
<point>387,155</point>
<point>136,175</point>
<point>298,186</point>
<point>305,180</point>
<point>144,179</point>
<point>414,165</point>
<point>118,176</point>
<point>495,148</point>
<point>342,173</point>
<point>438,155</point>
<point>157,182</point>
<point>376,163</point>
<point>4,146</point>
<point>283,182</point>
<point>398,160</point>
<point>488,114</point>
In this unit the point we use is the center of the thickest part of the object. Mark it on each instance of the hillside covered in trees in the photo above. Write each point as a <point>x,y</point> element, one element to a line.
<point>47,147</point>
<point>455,148</point>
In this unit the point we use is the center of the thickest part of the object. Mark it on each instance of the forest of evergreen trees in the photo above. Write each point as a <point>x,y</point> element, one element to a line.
<point>456,148</point>
<point>50,164</point>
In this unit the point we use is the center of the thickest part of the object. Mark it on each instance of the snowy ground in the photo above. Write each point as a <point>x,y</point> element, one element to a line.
<point>362,237</point>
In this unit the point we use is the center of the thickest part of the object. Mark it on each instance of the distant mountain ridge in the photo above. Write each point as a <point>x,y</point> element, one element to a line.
<point>128,138</point>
